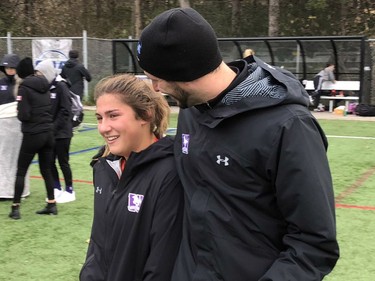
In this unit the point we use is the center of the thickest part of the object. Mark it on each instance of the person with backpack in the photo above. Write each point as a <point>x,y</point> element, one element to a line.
<point>75,72</point>
<point>63,132</point>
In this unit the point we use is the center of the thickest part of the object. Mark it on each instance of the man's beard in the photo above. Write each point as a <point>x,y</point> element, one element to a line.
<point>181,96</point>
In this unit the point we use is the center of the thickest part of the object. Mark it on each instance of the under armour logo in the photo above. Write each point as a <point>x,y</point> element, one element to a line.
<point>224,160</point>
<point>98,190</point>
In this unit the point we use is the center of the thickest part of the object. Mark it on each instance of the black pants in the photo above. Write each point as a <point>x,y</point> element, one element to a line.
<point>61,153</point>
<point>41,144</point>
<point>318,81</point>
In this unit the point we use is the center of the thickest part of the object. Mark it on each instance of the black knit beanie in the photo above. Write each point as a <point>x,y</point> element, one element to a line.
<point>179,45</point>
<point>25,68</point>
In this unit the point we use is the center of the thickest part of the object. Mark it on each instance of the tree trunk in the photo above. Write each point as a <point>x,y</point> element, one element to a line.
<point>137,18</point>
<point>273,17</point>
<point>184,3</point>
<point>235,28</point>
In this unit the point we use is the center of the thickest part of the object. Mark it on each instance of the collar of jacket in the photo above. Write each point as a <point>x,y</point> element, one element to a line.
<point>240,67</point>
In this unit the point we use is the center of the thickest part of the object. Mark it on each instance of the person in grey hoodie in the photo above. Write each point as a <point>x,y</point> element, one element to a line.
<point>63,131</point>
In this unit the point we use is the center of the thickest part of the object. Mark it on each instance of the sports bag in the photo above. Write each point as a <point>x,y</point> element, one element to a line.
<point>365,110</point>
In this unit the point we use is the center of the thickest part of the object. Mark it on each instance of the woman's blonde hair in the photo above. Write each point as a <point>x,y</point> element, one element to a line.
<point>248,52</point>
<point>147,104</point>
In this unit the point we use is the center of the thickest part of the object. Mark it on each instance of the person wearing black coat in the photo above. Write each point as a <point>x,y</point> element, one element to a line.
<point>250,155</point>
<point>8,66</point>
<point>75,72</point>
<point>138,199</point>
<point>34,112</point>
<point>63,132</point>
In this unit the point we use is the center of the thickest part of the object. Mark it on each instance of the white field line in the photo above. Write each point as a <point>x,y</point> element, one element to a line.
<point>328,136</point>
<point>351,137</point>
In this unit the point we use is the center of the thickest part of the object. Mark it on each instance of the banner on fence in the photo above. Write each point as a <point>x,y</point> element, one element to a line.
<point>54,49</point>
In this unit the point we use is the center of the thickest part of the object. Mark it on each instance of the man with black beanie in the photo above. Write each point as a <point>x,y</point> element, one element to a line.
<point>251,157</point>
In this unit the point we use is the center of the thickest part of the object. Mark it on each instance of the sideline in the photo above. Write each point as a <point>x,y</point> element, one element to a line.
<point>351,137</point>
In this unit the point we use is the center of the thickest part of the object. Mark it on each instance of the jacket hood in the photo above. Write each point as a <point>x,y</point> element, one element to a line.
<point>47,68</point>
<point>259,85</point>
<point>9,60</point>
<point>71,63</point>
<point>37,83</point>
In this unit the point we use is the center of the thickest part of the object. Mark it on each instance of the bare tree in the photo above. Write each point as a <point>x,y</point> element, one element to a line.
<point>273,17</point>
<point>236,4</point>
<point>184,3</point>
<point>137,18</point>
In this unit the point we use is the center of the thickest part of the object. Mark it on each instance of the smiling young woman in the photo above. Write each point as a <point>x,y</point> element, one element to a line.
<point>137,223</point>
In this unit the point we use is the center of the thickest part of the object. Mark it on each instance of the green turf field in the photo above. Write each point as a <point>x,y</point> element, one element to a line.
<point>43,248</point>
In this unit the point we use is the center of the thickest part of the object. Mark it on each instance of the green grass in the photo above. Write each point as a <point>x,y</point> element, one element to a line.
<point>41,248</point>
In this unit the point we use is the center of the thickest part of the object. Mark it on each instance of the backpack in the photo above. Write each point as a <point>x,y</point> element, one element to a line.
<point>77,109</point>
<point>365,110</point>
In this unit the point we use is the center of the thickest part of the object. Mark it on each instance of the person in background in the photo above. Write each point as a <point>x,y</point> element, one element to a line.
<point>138,201</point>
<point>326,74</point>
<point>8,66</point>
<point>10,133</point>
<point>248,52</point>
<point>34,112</point>
<point>75,72</point>
<point>63,131</point>
<point>251,158</point>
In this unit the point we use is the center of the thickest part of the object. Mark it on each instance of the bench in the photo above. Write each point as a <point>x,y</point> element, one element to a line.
<point>338,86</point>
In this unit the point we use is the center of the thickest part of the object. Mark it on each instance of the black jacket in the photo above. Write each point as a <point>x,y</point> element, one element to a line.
<point>7,83</point>
<point>257,183</point>
<point>6,89</point>
<point>75,72</point>
<point>34,105</point>
<point>61,110</point>
<point>137,222</point>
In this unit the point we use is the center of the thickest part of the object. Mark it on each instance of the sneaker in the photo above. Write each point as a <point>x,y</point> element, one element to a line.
<point>318,109</point>
<point>311,100</point>
<point>66,197</point>
<point>50,209</point>
<point>321,107</point>
<point>57,193</point>
<point>15,213</point>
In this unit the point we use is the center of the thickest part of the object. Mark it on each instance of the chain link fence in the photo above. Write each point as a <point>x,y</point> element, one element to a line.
<point>103,57</point>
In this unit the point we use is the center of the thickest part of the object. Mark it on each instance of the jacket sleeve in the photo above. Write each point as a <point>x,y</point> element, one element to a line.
<point>304,193</point>
<point>23,106</point>
<point>166,232</point>
<point>65,106</point>
<point>85,73</point>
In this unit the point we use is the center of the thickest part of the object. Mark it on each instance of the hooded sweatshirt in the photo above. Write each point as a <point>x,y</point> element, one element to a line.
<point>254,168</point>
<point>7,83</point>
<point>34,102</point>
<point>75,72</point>
<point>47,68</point>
